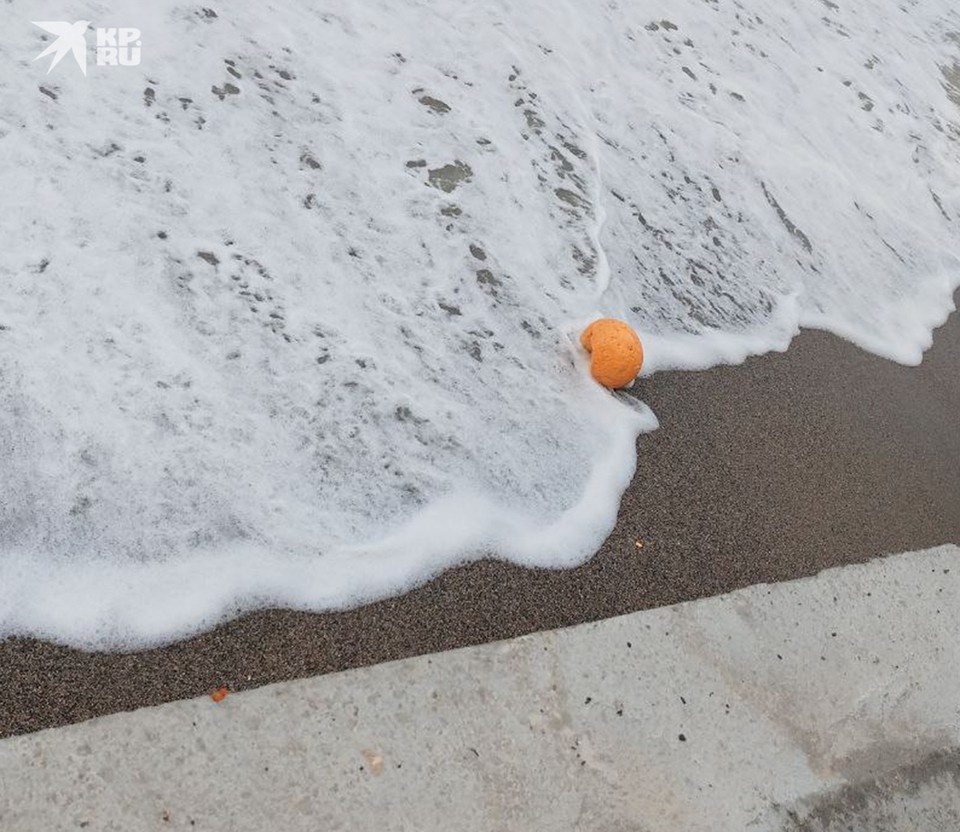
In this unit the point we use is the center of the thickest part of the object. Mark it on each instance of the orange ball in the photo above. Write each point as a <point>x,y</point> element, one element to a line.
<point>616,354</point>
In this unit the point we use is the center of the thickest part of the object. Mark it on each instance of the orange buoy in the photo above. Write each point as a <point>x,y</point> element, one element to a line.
<point>616,354</point>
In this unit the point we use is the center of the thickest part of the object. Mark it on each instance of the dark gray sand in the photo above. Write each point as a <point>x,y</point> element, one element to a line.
<point>772,470</point>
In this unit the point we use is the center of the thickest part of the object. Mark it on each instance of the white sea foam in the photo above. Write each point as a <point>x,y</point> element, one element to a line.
<point>310,338</point>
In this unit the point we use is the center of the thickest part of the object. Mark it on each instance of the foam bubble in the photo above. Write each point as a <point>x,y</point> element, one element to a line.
<point>290,310</point>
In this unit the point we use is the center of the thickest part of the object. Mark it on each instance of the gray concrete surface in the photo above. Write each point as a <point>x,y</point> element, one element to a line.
<point>831,703</point>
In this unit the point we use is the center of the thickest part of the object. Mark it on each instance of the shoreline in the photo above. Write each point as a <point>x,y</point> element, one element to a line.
<point>770,470</point>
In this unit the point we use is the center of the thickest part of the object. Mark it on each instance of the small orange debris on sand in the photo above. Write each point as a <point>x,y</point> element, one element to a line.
<point>616,354</point>
<point>374,760</point>
<point>219,694</point>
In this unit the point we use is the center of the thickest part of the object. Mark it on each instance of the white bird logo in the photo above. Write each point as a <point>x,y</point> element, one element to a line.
<point>70,38</point>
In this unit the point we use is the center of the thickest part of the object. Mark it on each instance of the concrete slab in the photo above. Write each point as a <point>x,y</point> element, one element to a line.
<point>822,704</point>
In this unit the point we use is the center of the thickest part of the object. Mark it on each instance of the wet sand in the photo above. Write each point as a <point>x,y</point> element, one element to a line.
<point>772,470</point>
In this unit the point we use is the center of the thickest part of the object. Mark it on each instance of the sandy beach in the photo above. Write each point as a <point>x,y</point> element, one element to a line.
<point>776,469</point>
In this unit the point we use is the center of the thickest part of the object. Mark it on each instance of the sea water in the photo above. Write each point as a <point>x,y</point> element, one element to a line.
<point>288,312</point>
